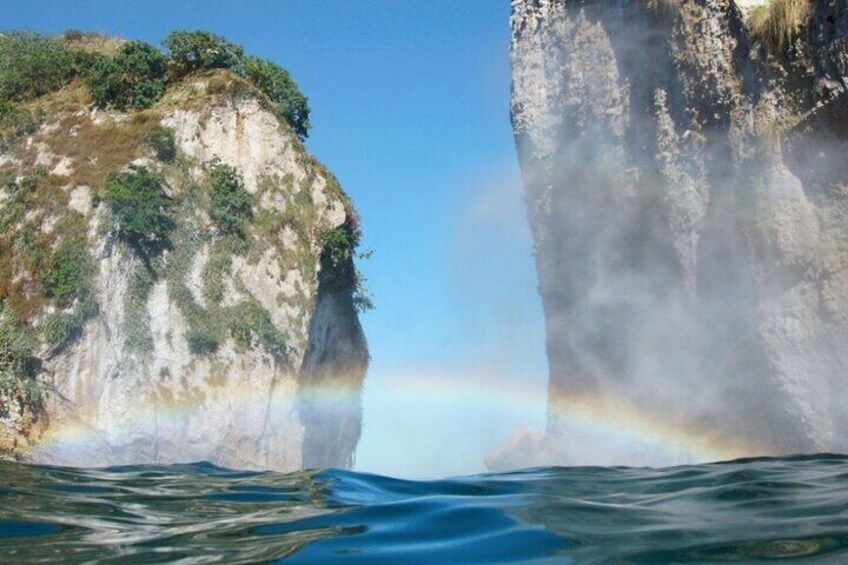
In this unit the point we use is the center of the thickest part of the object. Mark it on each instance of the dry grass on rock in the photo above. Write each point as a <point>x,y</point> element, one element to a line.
<point>779,22</point>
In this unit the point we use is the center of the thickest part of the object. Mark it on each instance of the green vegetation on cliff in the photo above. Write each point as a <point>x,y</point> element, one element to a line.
<point>32,65</point>
<point>16,348</point>
<point>135,74</point>
<point>133,78</point>
<point>162,141</point>
<point>192,51</point>
<point>200,50</point>
<point>69,282</point>
<point>210,320</point>
<point>338,269</point>
<point>275,82</point>
<point>141,211</point>
<point>68,279</point>
<point>230,205</point>
<point>98,201</point>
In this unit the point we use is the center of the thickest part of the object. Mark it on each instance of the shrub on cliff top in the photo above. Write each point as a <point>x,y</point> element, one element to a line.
<point>133,78</point>
<point>275,82</point>
<point>192,51</point>
<point>196,50</point>
<point>31,65</point>
<point>141,210</point>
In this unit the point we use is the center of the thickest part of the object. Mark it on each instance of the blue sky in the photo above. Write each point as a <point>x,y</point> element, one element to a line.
<point>410,109</point>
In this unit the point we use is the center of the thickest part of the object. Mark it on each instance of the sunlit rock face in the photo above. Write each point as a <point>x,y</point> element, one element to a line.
<point>687,192</point>
<point>131,388</point>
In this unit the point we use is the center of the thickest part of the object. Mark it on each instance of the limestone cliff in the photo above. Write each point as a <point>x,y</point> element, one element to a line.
<point>686,187</point>
<point>200,351</point>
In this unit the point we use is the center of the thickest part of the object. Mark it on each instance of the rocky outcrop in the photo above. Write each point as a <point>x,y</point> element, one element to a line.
<point>132,387</point>
<point>686,190</point>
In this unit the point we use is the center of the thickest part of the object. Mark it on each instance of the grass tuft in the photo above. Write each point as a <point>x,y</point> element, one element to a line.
<point>778,23</point>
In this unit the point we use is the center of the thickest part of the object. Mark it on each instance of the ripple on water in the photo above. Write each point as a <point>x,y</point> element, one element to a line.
<point>749,510</point>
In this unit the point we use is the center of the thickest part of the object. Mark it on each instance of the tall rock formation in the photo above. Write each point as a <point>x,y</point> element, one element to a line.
<point>687,190</point>
<point>243,350</point>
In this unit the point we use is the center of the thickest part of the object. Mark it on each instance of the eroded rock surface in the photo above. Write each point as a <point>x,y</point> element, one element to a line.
<point>687,192</point>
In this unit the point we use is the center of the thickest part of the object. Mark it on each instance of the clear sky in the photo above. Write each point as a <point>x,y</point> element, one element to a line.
<point>410,109</point>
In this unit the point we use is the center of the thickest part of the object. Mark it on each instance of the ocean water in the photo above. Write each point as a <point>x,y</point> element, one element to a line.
<point>754,510</point>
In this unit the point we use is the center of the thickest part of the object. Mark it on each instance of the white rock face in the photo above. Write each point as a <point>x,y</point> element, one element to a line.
<point>241,134</point>
<point>81,200</point>
<point>689,217</point>
<point>232,408</point>
<point>108,403</point>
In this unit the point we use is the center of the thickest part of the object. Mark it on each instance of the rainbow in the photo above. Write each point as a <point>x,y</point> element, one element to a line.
<point>615,432</point>
<point>625,423</point>
<point>623,434</point>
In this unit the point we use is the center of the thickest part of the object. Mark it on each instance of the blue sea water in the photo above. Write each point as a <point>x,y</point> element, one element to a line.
<point>754,510</point>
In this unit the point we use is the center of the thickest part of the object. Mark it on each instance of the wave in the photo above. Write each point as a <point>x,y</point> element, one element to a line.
<point>749,509</point>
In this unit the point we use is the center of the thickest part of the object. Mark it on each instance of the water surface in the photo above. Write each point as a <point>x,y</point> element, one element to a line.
<point>793,509</point>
